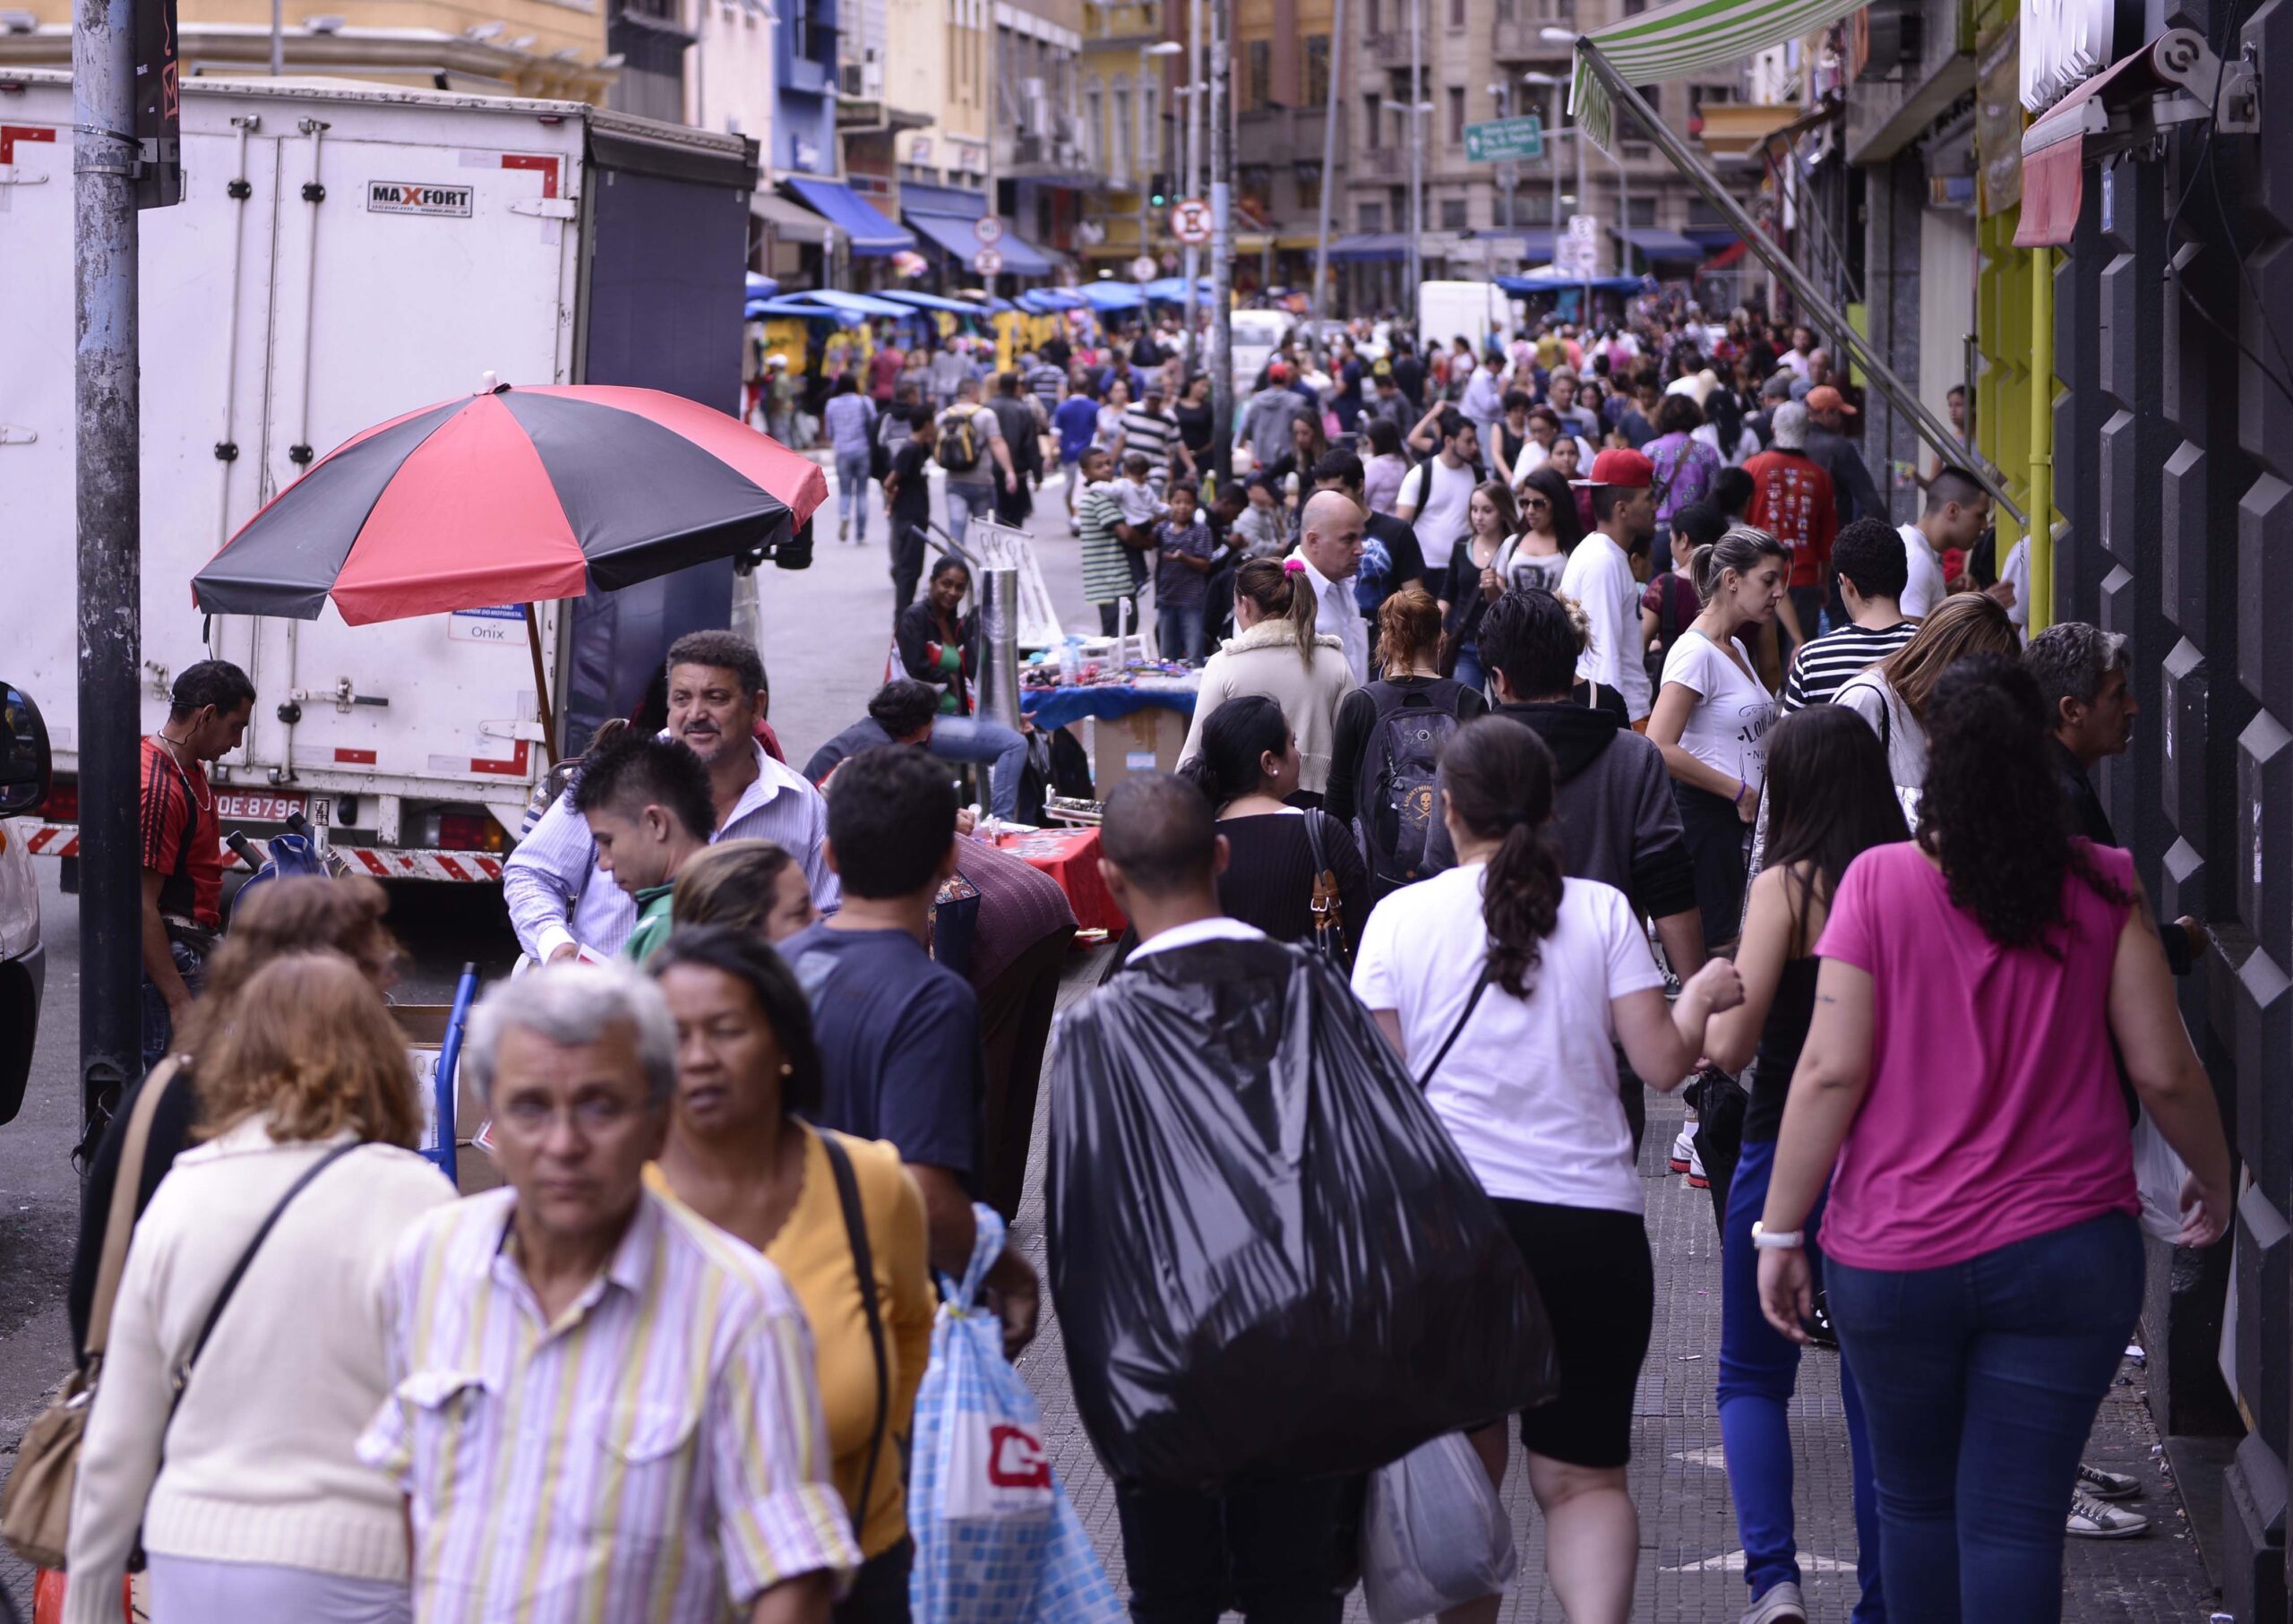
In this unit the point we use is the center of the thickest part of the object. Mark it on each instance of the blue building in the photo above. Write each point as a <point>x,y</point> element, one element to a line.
<point>803,129</point>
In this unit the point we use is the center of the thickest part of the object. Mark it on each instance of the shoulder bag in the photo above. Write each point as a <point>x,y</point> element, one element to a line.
<point>864,1269</point>
<point>1328,908</point>
<point>1480,985</point>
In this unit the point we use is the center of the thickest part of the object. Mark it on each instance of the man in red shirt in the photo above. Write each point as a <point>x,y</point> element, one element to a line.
<point>1792,500</point>
<point>182,842</point>
<point>883,370</point>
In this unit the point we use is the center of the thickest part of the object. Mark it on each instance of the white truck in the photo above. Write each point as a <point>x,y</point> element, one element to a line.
<point>1473,311</point>
<point>344,253</point>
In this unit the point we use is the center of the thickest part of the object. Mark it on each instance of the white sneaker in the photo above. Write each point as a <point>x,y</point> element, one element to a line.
<point>1696,1179</point>
<point>2095,1483</point>
<point>1781,1603</point>
<point>1684,1150</point>
<point>2089,1519</point>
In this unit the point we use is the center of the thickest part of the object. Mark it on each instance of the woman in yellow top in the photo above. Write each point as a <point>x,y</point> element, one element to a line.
<point>738,1156</point>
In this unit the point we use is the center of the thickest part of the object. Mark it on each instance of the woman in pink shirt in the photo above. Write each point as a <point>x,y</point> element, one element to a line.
<point>1982,1261</point>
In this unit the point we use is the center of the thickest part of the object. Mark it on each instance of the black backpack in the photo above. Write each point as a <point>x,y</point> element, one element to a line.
<point>958,448</point>
<point>1396,804</point>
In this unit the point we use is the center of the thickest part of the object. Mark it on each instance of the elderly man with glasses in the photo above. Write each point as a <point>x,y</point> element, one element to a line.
<point>603,1409</point>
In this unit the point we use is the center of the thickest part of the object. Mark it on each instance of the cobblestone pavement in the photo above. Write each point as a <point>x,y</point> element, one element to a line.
<point>1690,1558</point>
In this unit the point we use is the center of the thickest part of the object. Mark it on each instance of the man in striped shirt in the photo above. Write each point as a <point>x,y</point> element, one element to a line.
<point>1112,570</point>
<point>604,1409</point>
<point>1868,559</point>
<point>1045,381</point>
<point>1149,429</point>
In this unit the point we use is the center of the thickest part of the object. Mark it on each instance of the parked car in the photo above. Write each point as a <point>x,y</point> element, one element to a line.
<point>24,771</point>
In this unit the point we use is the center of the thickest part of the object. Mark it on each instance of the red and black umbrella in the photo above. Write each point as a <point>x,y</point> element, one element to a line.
<point>511,496</point>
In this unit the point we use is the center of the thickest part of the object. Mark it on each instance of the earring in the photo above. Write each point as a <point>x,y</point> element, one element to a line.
<point>787,1069</point>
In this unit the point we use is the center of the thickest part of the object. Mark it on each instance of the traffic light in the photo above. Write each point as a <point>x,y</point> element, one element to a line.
<point>1158,189</point>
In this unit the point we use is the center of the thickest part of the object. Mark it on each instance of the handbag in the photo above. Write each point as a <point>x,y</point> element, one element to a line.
<point>863,1270</point>
<point>35,1504</point>
<point>1326,907</point>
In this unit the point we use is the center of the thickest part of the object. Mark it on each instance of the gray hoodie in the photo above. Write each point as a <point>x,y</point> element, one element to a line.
<point>1265,422</point>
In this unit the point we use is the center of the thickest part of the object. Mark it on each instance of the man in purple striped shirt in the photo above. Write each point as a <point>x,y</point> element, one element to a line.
<point>604,1409</point>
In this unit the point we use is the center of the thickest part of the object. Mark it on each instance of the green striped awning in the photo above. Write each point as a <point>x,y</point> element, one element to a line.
<point>1689,37</point>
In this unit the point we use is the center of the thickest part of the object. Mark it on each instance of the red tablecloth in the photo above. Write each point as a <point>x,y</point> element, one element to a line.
<point>1071,857</point>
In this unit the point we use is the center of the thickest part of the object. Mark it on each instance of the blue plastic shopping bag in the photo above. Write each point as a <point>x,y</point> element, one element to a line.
<point>996,1540</point>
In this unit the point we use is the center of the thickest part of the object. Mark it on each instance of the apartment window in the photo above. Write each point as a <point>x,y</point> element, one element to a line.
<point>1456,13</point>
<point>1257,86</point>
<point>1317,70</point>
<point>1369,18</point>
<point>1639,211</point>
<point>1151,96</point>
<point>1309,186</point>
<point>1533,208</point>
<point>1456,114</point>
<point>1093,115</point>
<point>1504,11</point>
<point>1119,134</point>
<point>1654,95</point>
<point>1371,122</point>
<point>1373,217</point>
<point>1453,214</point>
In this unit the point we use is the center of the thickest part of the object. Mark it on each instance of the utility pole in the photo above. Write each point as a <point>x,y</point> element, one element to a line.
<point>1193,267</point>
<point>1221,240</point>
<point>1337,77</point>
<point>1508,172</point>
<point>1416,265</point>
<point>109,487</point>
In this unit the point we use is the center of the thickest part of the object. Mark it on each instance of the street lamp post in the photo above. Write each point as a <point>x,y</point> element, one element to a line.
<point>1161,48</point>
<point>1507,173</point>
<point>1562,36</point>
<point>1414,267</point>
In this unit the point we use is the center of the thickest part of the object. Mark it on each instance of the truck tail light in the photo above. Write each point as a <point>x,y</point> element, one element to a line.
<point>62,803</point>
<point>462,831</point>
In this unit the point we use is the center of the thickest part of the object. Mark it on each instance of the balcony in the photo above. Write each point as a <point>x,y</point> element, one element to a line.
<point>1520,37</point>
<point>1384,163</point>
<point>1282,135</point>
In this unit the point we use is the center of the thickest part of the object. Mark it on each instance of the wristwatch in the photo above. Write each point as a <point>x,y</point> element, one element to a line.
<point>1777,1240</point>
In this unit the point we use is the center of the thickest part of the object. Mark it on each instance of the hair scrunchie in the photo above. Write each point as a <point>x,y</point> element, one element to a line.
<point>1294,566</point>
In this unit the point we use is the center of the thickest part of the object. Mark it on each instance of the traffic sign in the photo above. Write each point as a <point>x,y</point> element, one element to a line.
<point>1190,220</point>
<point>987,262</point>
<point>1585,228</point>
<point>1143,268</point>
<point>1522,137</point>
<point>989,230</point>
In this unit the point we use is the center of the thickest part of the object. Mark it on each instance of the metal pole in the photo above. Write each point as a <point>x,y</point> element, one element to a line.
<point>1560,110</point>
<point>1583,206</point>
<point>1138,155</point>
<point>277,39</point>
<point>107,419</point>
<point>1415,271</point>
<point>1507,172</point>
<point>1221,237</point>
<point>1194,88</point>
<point>1931,428</point>
<point>1336,77</point>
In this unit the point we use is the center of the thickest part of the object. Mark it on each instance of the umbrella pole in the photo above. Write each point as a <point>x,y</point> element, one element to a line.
<point>541,687</point>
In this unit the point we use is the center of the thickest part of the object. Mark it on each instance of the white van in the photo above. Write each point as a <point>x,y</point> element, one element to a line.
<point>1475,312</point>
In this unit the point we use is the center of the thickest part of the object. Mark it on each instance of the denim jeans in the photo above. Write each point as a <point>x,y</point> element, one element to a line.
<point>965,503</point>
<point>1469,671</point>
<point>158,1028</point>
<point>1269,1552</point>
<point>990,743</point>
<point>852,491</point>
<point>1758,1368</point>
<point>1980,1381</point>
<point>1178,629</point>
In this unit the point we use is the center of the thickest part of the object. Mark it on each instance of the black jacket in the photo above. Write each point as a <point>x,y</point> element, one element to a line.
<point>2084,808</point>
<point>916,630</point>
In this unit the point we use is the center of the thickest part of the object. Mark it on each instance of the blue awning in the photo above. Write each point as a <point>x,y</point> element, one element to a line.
<point>1045,301</point>
<point>1711,237</point>
<point>916,197</point>
<point>761,287</point>
<point>858,304</point>
<point>1658,244</point>
<point>932,301</point>
<point>956,236</point>
<point>759,309</point>
<point>1528,287</point>
<point>872,236</point>
<point>1171,289</point>
<point>1370,247</point>
<point>1112,296</point>
<point>1536,243</point>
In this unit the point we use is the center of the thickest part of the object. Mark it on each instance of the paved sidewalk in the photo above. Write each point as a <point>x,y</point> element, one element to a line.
<point>1690,1558</point>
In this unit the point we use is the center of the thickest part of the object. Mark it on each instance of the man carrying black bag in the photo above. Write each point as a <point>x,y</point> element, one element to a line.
<point>1275,1272</point>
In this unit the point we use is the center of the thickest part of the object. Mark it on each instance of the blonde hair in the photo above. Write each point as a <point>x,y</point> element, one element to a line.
<point>733,883</point>
<point>310,1047</point>
<point>299,915</point>
<point>1965,623</point>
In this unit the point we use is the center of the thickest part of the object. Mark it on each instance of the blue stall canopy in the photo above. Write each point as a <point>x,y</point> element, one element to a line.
<point>932,301</point>
<point>763,286</point>
<point>1369,247</point>
<point>1112,296</point>
<point>872,236</point>
<point>1045,301</point>
<point>762,309</point>
<point>1544,279</point>
<point>954,233</point>
<point>858,304</point>
<point>1171,289</point>
<point>1659,244</point>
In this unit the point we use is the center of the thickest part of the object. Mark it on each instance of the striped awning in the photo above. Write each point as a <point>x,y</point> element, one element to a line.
<point>1687,38</point>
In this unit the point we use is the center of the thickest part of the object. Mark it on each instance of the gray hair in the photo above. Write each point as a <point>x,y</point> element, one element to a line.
<point>2070,661</point>
<point>1790,425</point>
<point>1740,547</point>
<point>572,1004</point>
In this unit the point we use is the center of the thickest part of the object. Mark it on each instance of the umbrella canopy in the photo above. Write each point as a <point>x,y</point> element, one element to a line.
<point>512,497</point>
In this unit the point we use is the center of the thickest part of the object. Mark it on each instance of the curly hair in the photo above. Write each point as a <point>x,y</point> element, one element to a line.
<point>1409,627</point>
<point>299,915</point>
<point>1498,776</point>
<point>310,1048</point>
<point>1991,812</point>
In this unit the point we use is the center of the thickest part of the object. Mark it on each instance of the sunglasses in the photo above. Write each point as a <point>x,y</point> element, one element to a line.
<point>1530,504</point>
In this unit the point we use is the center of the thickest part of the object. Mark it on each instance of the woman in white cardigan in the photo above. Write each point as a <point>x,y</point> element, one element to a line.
<point>251,1502</point>
<point>1274,651</point>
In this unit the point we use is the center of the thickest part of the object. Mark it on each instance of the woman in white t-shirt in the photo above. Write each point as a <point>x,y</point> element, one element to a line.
<point>1712,713</point>
<point>1519,1062</point>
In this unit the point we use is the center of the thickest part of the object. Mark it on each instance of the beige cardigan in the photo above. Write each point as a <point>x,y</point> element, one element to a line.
<point>1263,659</point>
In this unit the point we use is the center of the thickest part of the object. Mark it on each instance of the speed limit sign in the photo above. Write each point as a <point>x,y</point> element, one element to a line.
<point>987,262</point>
<point>988,229</point>
<point>1190,220</point>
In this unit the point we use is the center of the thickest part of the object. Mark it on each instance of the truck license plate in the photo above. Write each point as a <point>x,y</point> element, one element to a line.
<point>258,808</point>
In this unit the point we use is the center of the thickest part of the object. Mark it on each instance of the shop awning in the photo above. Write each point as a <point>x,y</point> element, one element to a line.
<point>919,197</point>
<point>1711,238</point>
<point>872,236</point>
<point>1544,281</point>
<point>858,304</point>
<point>1658,244</point>
<point>1112,296</point>
<point>1687,38</point>
<point>1369,248</point>
<point>1045,301</point>
<point>790,220</point>
<point>932,301</point>
<point>956,237</point>
<point>802,309</point>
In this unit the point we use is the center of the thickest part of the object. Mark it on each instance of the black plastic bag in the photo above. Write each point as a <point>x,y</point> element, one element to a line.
<point>1268,1260</point>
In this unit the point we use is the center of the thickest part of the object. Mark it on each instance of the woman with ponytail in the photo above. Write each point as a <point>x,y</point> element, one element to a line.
<point>1980,992</point>
<point>1275,652</point>
<point>1519,1062</point>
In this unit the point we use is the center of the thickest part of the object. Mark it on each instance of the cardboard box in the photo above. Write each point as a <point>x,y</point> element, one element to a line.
<point>425,1026</point>
<point>1145,741</point>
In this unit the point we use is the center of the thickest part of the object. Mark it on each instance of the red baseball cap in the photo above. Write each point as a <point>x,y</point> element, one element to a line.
<point>1277,371</point>
<point>1824,398</point>
<point>1618,466</point>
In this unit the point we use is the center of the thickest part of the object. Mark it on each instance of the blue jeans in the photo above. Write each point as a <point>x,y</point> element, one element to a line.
<point>1758,1369</point>
<point>158,1035</point>
<point>1980,1381</point>
<point>1178,629</point>
<point>978,739</point>
<point>1469,671</point>
<point>852,491</point>
<point>969,502</point>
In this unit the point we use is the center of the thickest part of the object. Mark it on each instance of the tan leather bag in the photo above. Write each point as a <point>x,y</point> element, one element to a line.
<point>36,1502</point>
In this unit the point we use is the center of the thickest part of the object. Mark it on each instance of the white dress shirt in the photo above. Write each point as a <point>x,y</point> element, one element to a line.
<point>554,871</point>
<point>1218,927</point>
<point>1598,576</point>
<point>1924,586</point>
<point>1338,616</point>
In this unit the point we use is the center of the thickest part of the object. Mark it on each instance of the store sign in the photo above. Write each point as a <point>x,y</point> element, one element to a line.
<point>2064,44</point>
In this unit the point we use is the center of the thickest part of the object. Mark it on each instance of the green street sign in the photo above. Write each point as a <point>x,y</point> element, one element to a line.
<point>1503,138</point>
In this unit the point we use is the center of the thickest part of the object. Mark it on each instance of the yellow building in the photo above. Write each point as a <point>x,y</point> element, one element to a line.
<point>504,48</point>
<point>1129,136</point>
<point>942,65</point>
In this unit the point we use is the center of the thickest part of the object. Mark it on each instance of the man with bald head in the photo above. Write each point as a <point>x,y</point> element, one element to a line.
<point>1329,547</point>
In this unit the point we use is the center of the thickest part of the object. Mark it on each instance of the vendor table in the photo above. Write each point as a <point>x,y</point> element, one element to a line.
<point>1071,857</point>
<point>1108,702</point>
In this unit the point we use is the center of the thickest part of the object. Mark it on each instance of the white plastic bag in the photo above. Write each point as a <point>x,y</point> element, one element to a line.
<point>2158,1176</point>
<point>1434,1534</point>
